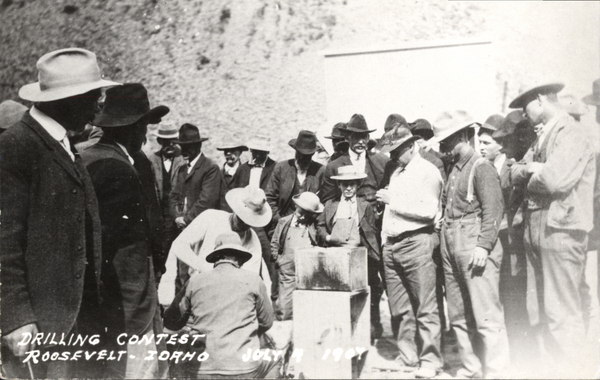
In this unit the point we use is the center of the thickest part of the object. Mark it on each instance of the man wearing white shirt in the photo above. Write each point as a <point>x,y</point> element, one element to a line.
<point>412,205</point>
<point>232,153</point>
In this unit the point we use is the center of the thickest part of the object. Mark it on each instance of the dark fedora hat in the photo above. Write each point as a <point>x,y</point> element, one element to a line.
<point>127,104</point>
<point>509,124</point>
<point>337,131</point>
<point>305,143</point>
<point>394,120</point>
<point>594,98</point>
<point>528,96</point>
<point>358,124</point>
<point>421,127</point>
<point>189,134</point>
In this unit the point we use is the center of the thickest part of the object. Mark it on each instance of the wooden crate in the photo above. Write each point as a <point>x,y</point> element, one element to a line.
<point>341,269</point>
<point>326,321</point>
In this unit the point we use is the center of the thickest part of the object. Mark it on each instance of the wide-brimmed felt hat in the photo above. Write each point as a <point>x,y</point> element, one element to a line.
<point>189,134</point>
<point>10,113</point>
<point>448,123</point>
<point>526,97</point>
<point>127,104</point>
<point>395,138</point>
<point>357,124</point>
<point>594,98</point>
<point>509,125</point>
<point>233,146</point>
<point>231,243</point>
<point>394,120</point>
<point>309,202</point>
<point>65,73</point>
<point>572,105</point>
<point>491,124</point>
<point>259,143</point>
<point>250,204</point>
<point>421,127</point>
<point>349,173</point>
<point>167,132</point>
<point>305,143</point>
<point>337,132</point>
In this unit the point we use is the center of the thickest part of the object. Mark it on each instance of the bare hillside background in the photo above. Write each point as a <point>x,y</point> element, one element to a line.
<point>239,68</point>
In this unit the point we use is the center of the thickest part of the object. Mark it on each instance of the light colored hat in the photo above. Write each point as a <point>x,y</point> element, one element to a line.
<point>65,73</point>
<point>448,123</point>
<point>349,173</point>
<point>260,143</point>
<point>167,132</point>
<point>572,105</point>
<point>10,113</point>
<point>250,204</point>
<point>396,137</point>
<point>229,242</point>
<point>308,202</point>
<point>233,146</point>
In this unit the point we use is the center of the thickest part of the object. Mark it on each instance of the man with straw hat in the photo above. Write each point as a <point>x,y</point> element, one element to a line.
<point>292,232</point>
<point>351,221</point>
<point>196,241</point>
<point>412,208</point>
<point>560,193</point>
<point>471,258</point>
<point>50,236</point>
<point>294,176</point>
<point>132,232</point>
<point>230,305</point>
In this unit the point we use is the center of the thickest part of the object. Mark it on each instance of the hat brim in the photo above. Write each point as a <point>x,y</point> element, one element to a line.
<point>201,139</point>
<point>167,137</point>
<point>528,96</point>
<point>243,254</point>
<point>243,148</point>
<point>260,148</point>
<point>234,199</point>
<point>448,133</point>
<point>348,177</point>
<point>591,100</point>
<point>33,92</point>
<point>292,143</point>
<point>357,130</point>
<point>303,207</point>
<point>389,148</point>
<point>153,116</point>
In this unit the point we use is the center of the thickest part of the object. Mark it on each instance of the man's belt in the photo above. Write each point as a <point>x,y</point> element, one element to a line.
<point>407,234</point>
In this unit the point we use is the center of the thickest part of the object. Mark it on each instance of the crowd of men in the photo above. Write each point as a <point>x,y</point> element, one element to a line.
<point>99,239</point>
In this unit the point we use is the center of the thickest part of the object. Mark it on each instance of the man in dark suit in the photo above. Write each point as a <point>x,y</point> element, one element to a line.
<point>232,153</point>
<point>357,135</point>
<point>131,243</point>
<point>294,176</point>
<point>197,188</point>
<point>338,141</point>
<point>50,237</point>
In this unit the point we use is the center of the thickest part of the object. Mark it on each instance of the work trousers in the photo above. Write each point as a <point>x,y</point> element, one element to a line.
<point>374,270</point>
<point>410,275</point>
<point>555,267</point>
<point>474,307</point>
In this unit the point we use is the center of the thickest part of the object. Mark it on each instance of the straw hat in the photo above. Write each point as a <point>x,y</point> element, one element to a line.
<point>349,173</point>
<point>308,202</point>
<point>167,132</point>
<point>260,143</point>
<point>65,73</point>
<point>448,123</point>
<point>229,242</point>
<point>250,204</point>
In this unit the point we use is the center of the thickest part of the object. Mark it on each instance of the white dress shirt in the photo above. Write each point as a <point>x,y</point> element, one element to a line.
<point>231,169</point>
<point>347,208</point>
<point>301,174</point>
<point>359,161</point>
<point>191,164</point>
<point>168,162</point>
<point>255,174</point>
<point>57,131</point>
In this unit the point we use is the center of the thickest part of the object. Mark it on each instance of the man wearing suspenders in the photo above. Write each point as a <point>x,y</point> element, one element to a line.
<point>470,255</point>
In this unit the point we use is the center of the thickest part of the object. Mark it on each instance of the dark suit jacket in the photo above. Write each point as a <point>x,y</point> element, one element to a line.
<point>241,178</point>
<point>283,185</point>
<point>130,296</point>
<point>158,166</point>
<point>50,228</point>
<point>370,232</point>
<point>374,168</point>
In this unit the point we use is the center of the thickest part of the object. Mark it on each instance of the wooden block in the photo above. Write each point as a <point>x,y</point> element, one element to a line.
<point>333,331</point>
<point>341,269</point>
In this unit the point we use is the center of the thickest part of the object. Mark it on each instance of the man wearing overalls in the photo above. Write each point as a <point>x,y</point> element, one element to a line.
<point>473,209</point>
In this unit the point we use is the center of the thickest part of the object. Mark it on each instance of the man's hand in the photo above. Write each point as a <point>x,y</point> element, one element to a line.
<point>383,195</point>
<point>478,258</point>
<point>534,167</point>
<point>180,222</point>
<point>11,340</point>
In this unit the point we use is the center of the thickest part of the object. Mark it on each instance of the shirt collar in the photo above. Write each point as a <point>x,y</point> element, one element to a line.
<point>193,163</point>
<point>230,169</point>
<point>126,152</point>
<point>464,159</point>
<point>351,200</point>
<point>57,131</point>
